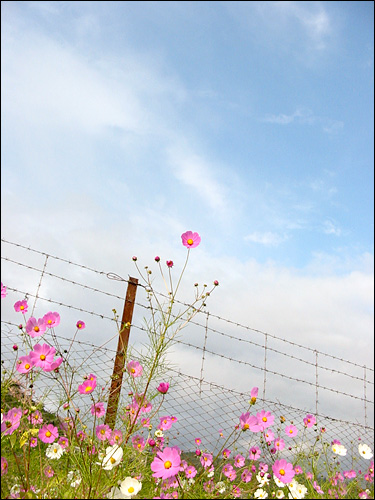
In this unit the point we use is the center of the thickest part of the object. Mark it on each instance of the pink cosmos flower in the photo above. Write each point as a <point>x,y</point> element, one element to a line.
<point>309,420</point>
<point>246,476</point>
<point>116,438</point>
<point>138,442</point>
<point>206,459</point>
<point>163,387</point>
<point>81,436</point>
<point>269,436</point>
<point>170,263</point>
<point>80,325</point>
<point>265,419</point>
<point>298,469</point>
<point>318,488</point>
<point>36,418</point>
<point>198,441</point>
<point>349,474</point>
<point>134,368</point>
<point>98,409</point>
<point>63,442</point>
<point>11,421</point>
<point>167,463</point>
<point>87,387</point>
<point>33,442</point>
<point>283,470</point>
<point>227,469</point>
<point>254,453</point>
<point>42,355</point>
<point>35,328</point>
<point>249,422</point>
<point>24,364</point>
<point>21,306</point>
<point>239,461</point>
<point>226,453</point>
<point>4,462</point>
<point>254,395</point>
<point>54,365</point>
<point>190,471</point>
<point>48,433</point>
<point>48,471</point>
<point>291,430</point>
<point>103,432</point>
<point>52,319</point>
<point>3,295</point>
<point>279,444</point>
<point>165,423</point>
<point>174,419</point>
<point>190,239</point>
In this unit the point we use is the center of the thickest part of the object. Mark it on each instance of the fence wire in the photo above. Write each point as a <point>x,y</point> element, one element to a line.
<point>203,404</point>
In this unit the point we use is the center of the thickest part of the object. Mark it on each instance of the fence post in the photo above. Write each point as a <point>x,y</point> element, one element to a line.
<point>114,394</point>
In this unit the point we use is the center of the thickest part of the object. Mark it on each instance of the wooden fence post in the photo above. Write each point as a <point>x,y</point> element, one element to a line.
<point>114,394</point>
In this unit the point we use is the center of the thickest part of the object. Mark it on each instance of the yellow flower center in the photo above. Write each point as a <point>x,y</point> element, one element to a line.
<point>48,434</point>
<point>49,321</point>
<point>88,388</point>
<point>42,357</point>
<point>22,308</point>
<point>253,399</point>
<point>246,426</point>
<point>132,370</point>
<point>264,419</point>
<point>167,464</point>
<point>36,328</point>
<point>291,431</point>
<point>282,472</point>
<point>102,431</point>
<point>27,366</point>
<point>131,489</point>
<point>55,450</point>
<point>112,460</point>
<point>190,241</point>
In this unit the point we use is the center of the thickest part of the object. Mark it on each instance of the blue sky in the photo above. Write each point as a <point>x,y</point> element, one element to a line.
<point>125,124</point>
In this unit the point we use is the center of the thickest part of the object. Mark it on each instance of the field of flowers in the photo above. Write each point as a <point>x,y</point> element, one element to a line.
<point>73,453</point>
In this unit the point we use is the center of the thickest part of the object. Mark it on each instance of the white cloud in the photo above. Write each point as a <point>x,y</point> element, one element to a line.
<point>331,228</point>
<point>267,238</point>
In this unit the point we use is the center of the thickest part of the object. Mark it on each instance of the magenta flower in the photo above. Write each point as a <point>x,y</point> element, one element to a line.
<point>48,433</point>
<point>249,422</point>
<point>246,476</point>
<point>318,488</point>
<point>134,368</point>
<point>265,419</point>
<point>206,459</point>
<point>163,387</point>
<point>239,461</point>
<point>52,319</point>
<point>298,469</point>
<point>254,395</point>
<point>36,418</point>
<point>198,441</point>
<point>227,470</point>
<point>21,306</point>
<point>309,420</point>
<point>167,463</point>
<point>103,432</point>
<point>349,474</point>
<point>42,355</point>
<point>35,328</point>
<point>4,462</point>
<point>11,421</point>
<point>283,470</point>
<point>254,453</point>
<point>87,387</point>
<point>98,409</point>
<point>269,436</point>
<point>279,444</point>
<point>190,239</point>
<point>138,442</point>
<point>48,471</point>
<point>170,263</point>
<point>33,442</point>
<point>63,442</point>
<point>24,364</point>
<point>190,471</point>
<point>291,430</point>
<point>165,423</point>
<point>80,325</point>
<point>226,453</point>
<point>54,365</point>
<point>3,295</point>
<point>116,438</point>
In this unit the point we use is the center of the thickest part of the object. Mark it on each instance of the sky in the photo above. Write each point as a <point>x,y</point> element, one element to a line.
<point>125,124</point>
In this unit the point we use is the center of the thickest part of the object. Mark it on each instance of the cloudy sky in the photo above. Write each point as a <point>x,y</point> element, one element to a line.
<point>125,124</point>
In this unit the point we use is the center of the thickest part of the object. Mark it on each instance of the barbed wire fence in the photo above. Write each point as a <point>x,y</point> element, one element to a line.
<point>203,402</point>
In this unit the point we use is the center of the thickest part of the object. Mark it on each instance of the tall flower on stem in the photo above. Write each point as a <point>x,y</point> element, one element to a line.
<point>167,463</point>
<point>190,239</point>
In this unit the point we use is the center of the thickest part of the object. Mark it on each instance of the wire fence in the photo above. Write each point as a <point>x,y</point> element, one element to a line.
<point>214,360</point>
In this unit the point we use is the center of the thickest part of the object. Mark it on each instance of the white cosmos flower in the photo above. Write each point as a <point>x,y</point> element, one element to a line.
<point>112,457</point>
<point>339,449</point>
<point>159,433</point>
<point>280,494</point>
<point>116,493</point>
<point>279,483</point>
<point>54,451</point>
<point>75,478</point>
<point>365,451</point>
<point>130,487</point>
<point>260,493</point>
<point>297,491</point>
<point>262,480</point>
